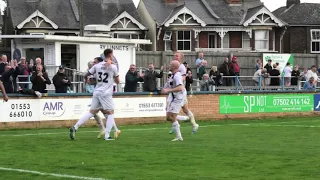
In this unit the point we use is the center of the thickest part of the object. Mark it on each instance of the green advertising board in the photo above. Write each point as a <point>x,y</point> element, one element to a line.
<point>238,104</point>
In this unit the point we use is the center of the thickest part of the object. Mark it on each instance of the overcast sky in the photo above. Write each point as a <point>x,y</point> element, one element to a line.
<point>271,4</point>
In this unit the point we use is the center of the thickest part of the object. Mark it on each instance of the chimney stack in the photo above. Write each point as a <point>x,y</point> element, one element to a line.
<point>291,2</point>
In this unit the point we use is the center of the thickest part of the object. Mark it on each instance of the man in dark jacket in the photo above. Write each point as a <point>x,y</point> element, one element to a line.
<point>61,81</point>
<point>150,79</point>
<point>8,77</point>
<point>224,70</point>
<point>268,67</point>
<point>132,79</point>
<point>40,80</point>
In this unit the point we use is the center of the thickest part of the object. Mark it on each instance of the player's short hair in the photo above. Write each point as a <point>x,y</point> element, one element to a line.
<point>107,52</point>
<point>99,59</point>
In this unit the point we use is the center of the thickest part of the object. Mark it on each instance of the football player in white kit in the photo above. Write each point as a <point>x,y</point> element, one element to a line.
<point>182,69</point>
<point>176,98</point>
<point>106,74</point>
<point>96,116</point>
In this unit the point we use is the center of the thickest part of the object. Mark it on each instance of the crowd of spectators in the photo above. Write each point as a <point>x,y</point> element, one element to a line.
<point>271,74</point>
<point>16,77</point>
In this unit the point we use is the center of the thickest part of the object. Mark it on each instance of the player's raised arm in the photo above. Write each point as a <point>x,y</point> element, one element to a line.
<point>5,97</point>
<point>90,72</point>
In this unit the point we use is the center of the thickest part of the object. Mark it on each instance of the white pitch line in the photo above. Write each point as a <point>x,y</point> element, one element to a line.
<point>50,174</point>
<point>151,129</point>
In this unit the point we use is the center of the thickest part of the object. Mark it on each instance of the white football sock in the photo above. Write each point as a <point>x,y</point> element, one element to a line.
<point>177,128</point>
<point>83,120</point>
<point>109,124</point>
<point>182,118</point>
<point>192,120</point>
<point>99,122</point>
<point>115,126</point>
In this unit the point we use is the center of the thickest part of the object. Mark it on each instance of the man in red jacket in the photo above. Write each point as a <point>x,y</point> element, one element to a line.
<point>234,68</point>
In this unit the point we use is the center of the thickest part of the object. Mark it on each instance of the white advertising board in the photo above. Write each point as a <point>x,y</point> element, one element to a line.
<point>124,54</point>
<point>19,110</point>
<point>66,109</point>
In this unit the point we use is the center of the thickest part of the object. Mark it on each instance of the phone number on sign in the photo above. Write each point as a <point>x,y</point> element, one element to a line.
<point>289,102</point>
<point>20,110</point>
<point>151,105</point>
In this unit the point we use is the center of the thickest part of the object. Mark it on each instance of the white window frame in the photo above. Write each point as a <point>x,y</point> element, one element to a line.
<point>190,40</point>
<point>166,39</point>
<point>243,40</point>
<point>267,40</point>
<point>215,40</point>
<point>167,36</point>
<point>314,40</point>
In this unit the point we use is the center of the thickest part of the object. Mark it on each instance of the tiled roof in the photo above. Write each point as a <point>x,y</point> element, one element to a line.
<point>300,14</point>
<point>64,13</point>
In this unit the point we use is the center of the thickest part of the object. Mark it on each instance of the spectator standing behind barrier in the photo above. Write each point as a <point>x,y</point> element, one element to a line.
<point>259,76</point>
<point>24,70</point>
<point>132,79</point>
<point>3,63</point>
<point>224,69</point>
<point>202,69</point>
<point>198,64</point>
<point>9,77</point>
<point>61,81</point>
<point>215,75</point>
<point>258,64</point>
<point>38,62</point>
<point>287,74</point>
<point>268,67</point>
<point>304,74</point>
<point>312,73</point>
<point>309,85</point>
<point>234,68</point>
<point>206,82</point>
<point>186,66</point>
<point>275,73</point>
<point>40,80</point>
<point>10,85</point>
<point>150,79</point>
<point>91,80</point>
<point>295,75</point>
<point>189,80</point>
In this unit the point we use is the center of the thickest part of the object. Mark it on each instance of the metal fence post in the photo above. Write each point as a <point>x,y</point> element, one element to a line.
<point>140,84</point>
<point>29,82</point>
<point>198,85</point>
<point>73,80</point>
<point>236,82</point>
<point>282,82</point>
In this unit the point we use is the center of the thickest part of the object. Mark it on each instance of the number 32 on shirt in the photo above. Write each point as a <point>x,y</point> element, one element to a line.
<point>103,77</point>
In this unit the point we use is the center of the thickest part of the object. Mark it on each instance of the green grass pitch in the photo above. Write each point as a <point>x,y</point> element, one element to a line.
<point>279,149</point>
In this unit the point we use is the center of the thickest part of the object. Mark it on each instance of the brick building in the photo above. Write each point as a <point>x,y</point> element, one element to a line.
<point>302,35</point>
<point>210,25</point>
